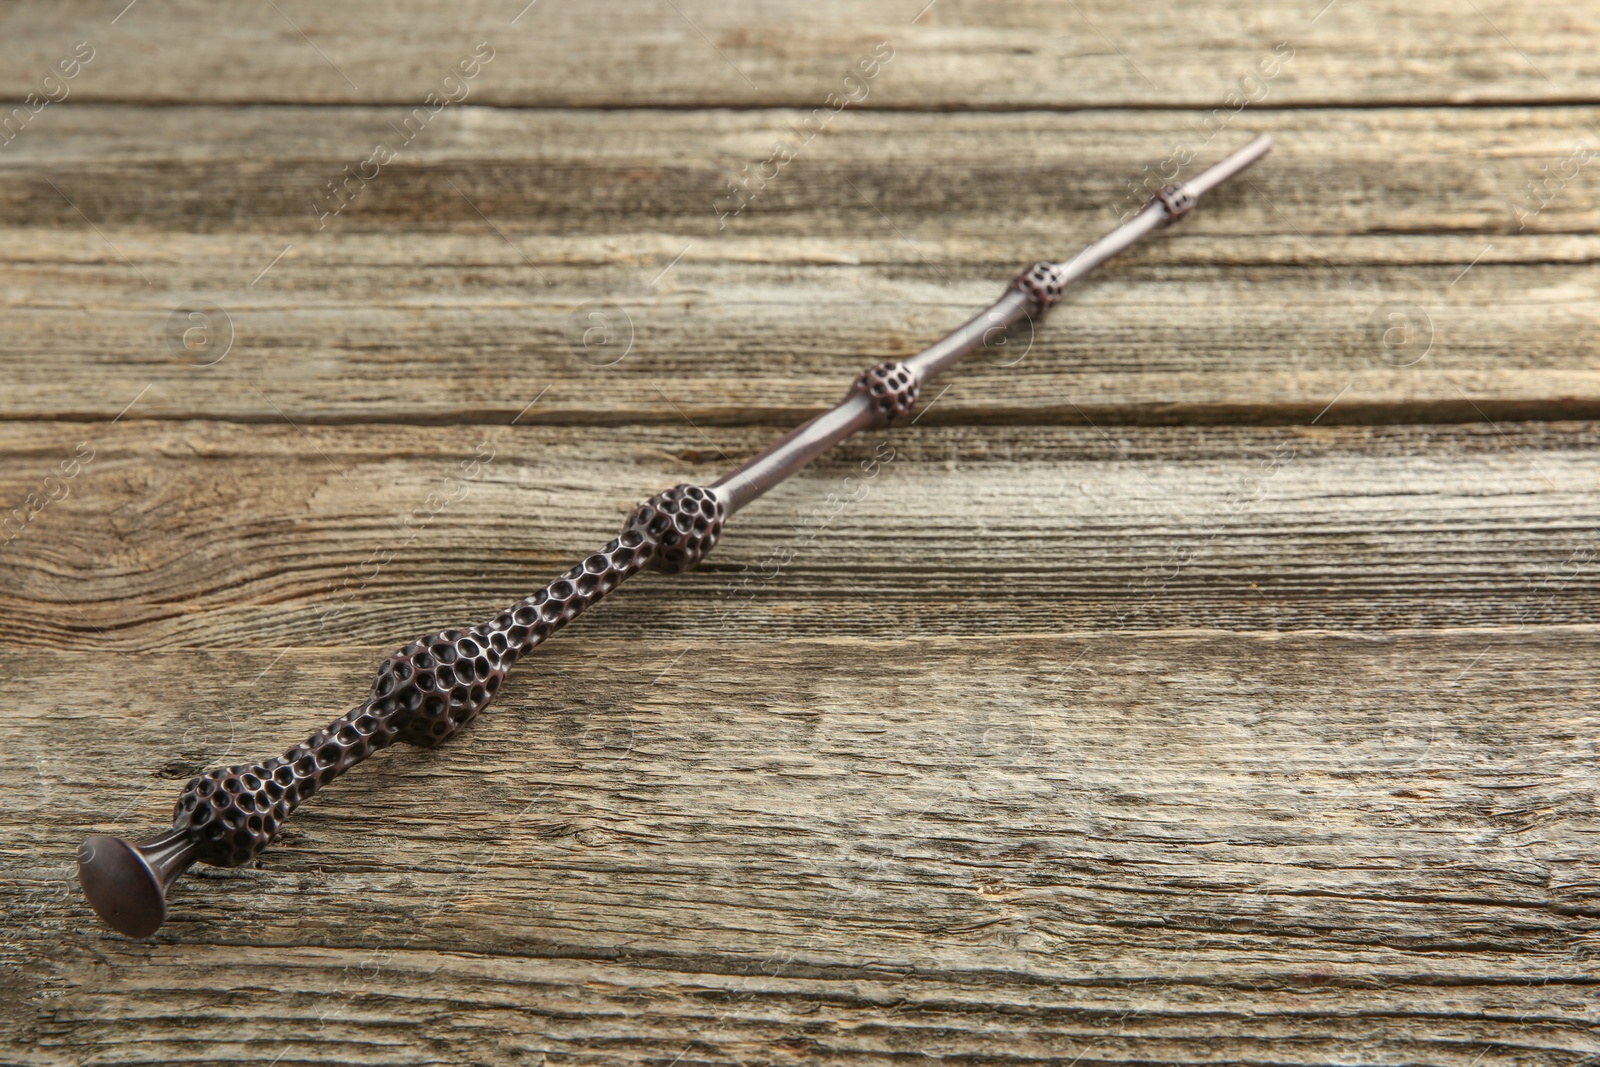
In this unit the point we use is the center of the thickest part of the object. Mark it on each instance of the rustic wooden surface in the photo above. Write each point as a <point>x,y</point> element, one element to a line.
<point>1214,683</point>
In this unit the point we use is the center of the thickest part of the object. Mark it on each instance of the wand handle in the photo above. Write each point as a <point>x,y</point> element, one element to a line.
<point>423,694</point>
<point>435,685</point>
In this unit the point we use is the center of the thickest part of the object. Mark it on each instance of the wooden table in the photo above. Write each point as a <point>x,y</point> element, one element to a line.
<point>1213,682</point>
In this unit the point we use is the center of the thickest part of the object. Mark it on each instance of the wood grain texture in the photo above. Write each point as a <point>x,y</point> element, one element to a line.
<point>1206,679</point>
<point>221,536</point>
<point>453,287</point>
<point>949,55</point>
<point>1018,847</point>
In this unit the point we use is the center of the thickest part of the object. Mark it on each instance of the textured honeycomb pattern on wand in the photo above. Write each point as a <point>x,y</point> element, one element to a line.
<point>424,693</point>
<point>684,522</point>
<point>891,386</point>
<point>1042,282</point>
<point>1176,200</point>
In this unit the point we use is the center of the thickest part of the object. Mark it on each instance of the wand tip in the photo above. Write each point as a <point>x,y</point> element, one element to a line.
<point>1227,167</point>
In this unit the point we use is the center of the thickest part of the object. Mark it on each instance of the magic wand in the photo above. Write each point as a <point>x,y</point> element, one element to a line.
<point>434,686</point>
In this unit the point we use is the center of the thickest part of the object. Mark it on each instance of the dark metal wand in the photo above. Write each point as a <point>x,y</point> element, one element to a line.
<point>437,684</point>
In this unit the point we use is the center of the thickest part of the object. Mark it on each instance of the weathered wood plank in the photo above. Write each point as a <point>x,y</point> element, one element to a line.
<point>502,1009</point>
<point>1175,848</point>
<point>212,535</point>
<point>695,53</point>
<point>1263,308</point>
<point>1123,718</point>
<point>1003,178</point>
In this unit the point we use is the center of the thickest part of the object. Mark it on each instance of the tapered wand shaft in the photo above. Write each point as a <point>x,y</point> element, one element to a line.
<point>890,389</point>
<point>430,689</point>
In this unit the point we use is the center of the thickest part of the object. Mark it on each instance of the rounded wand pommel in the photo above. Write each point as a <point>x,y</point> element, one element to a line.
<point>126,884</point>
